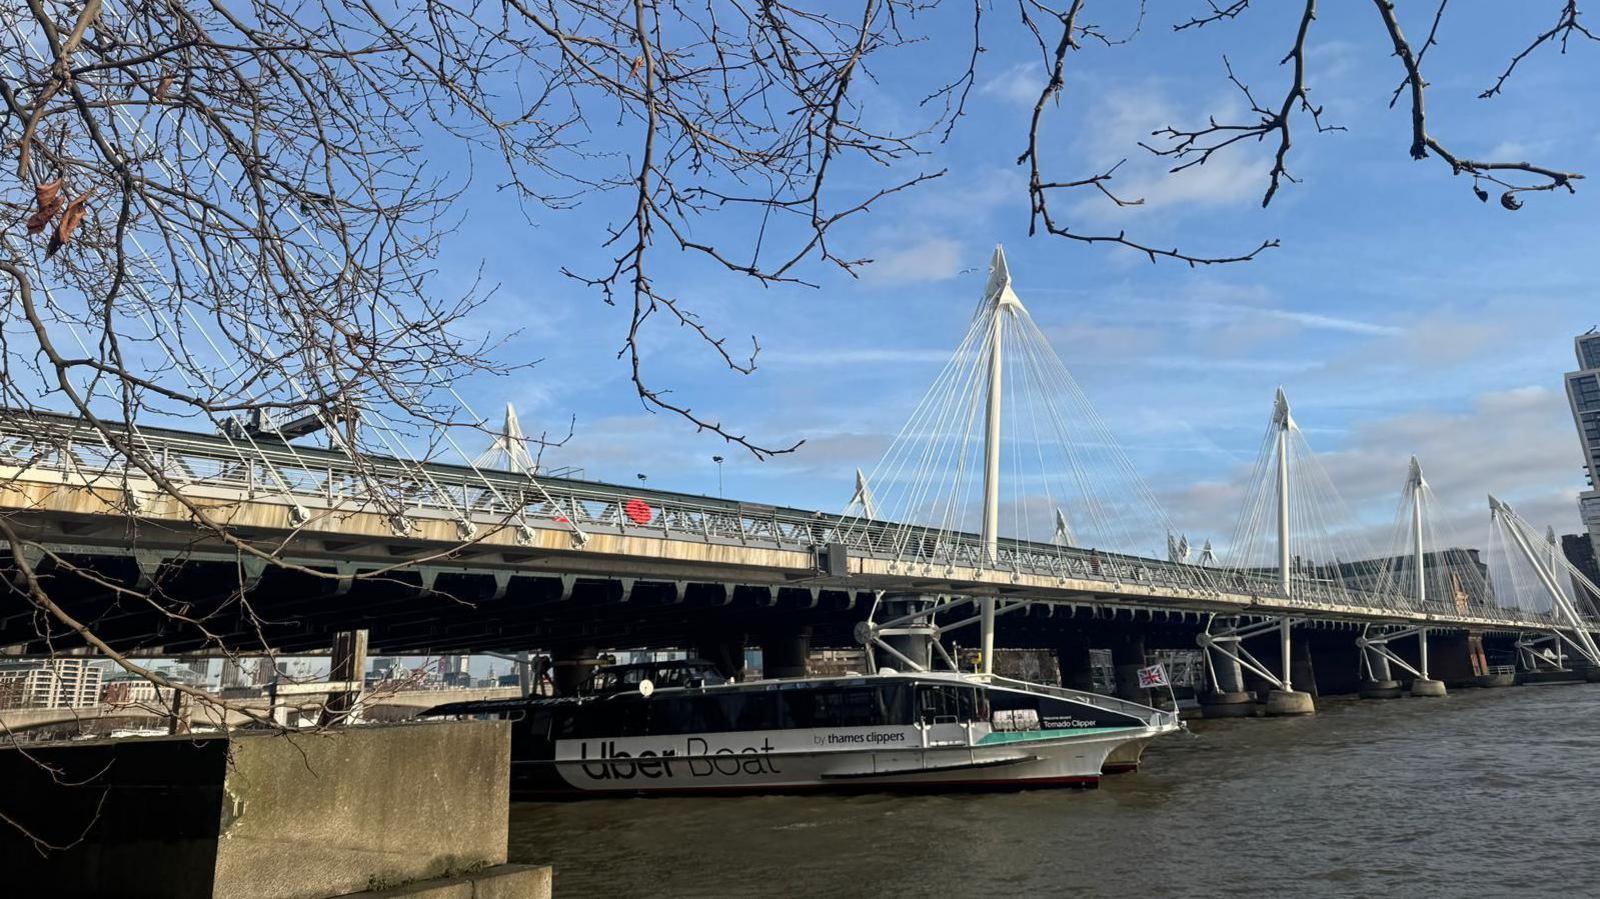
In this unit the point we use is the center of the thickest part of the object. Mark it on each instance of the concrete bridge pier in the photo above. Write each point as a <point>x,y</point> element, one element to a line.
<point>918,647</point>
<point>786,654</point>
<point>1077,666</point>
<point>1333,661</point>
<point>1127,657</point>
<point>348,664</point>
<point>1497,651</point>
<point>1228,698</point>
<point>1287,700</point>
<point>726,653</point>
<point>1380,684</point>
<point>1302,669</point>
<point>570,667</point>
<point>1426,685</point>
<point>1456,658</point>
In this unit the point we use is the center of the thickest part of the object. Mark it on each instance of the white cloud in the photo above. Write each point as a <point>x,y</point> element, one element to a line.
<point>1315,321</point>
<point>1019,84</point>
<point>1124,116</point>
<point>920,260</point>
<point>829,356</point>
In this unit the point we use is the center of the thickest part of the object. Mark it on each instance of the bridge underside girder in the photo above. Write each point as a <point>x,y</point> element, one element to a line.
<point>199,605</point>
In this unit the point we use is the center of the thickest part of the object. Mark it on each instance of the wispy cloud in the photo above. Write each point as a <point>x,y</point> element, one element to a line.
<point>828,356</point>
<point>1019,84</point>
<point>921,260</point>
<point>1315,320</point>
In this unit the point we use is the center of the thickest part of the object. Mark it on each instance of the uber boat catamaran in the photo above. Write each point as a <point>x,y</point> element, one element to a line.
<point>885,731</point>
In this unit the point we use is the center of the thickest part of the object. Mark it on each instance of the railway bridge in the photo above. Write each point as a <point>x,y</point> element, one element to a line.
<point>1003,515</point>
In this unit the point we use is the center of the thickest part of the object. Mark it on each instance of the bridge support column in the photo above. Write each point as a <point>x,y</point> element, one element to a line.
<point>1379,682</point>
<point>786,655</point>
<point>1288,700</point>
<point>1456,658</point>
<point>1227,697</point>
<point>1302,668</point>
<point>570,668</point>
<point>1425,685</point>
<point>918,647</point>
<point>1337,661</point>
<point>726,653</point>
<point>1127,657</point>
<point>1077,666</point>
<point>348,663</point>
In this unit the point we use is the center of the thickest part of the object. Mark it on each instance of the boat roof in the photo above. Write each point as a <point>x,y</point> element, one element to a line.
<point>478,706</point>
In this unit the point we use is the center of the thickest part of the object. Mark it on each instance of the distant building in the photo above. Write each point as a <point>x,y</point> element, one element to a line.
<point>1579,550</point>
<point>453,670</point>
<point>131,689</point>
<point>1583,392</point>
<point>233,674</point>
<point>68,683</point>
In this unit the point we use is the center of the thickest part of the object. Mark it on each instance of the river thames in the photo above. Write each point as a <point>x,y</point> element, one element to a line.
<point>1484,792</point>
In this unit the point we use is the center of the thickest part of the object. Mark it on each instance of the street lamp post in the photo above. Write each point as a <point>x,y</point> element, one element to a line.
<point>718,460</point>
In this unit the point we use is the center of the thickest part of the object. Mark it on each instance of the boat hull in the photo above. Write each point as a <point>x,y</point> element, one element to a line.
<point>1017,763</point>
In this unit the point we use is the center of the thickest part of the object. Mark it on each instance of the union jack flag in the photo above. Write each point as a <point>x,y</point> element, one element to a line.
<point>1153,676</point>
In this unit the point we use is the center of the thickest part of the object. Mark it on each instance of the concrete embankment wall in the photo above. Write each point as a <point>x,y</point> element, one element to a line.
<point>256,815</point>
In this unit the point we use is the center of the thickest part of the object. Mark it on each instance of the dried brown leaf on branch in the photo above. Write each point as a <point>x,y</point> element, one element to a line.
<point>47,197</point>
<point>71,218</point>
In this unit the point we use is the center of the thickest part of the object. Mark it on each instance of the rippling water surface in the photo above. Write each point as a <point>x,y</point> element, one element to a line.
<point>1485,792</point>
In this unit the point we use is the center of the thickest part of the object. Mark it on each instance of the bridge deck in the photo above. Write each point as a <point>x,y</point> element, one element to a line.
<point>73,492</point>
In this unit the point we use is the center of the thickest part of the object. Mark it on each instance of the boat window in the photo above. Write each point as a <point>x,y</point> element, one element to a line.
<point>756,711</point>
<point>942,704</point>
<point>895,702</point>
<point>873,705</point>
<point>622,715</point>
<point>692,714</point>
<point>846,708</point>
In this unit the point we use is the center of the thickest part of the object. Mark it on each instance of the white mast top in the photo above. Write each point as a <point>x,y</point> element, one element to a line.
<point>1280,411</point>
<point>1416,474</point>
<point>999,290</point>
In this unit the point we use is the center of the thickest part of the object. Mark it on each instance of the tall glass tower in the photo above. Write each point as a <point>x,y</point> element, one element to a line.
<point>1583,392</point>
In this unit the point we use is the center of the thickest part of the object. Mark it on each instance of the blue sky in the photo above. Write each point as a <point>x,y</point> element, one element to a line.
<point>1401,314</point>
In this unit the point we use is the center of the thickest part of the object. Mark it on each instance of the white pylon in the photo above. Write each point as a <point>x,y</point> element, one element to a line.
<point>1063,535</point>
<point>1208,556</point>
<point>998,294</point>
<point>1521,537</point>
<point>1415,485</point>
<point>509,450</point>
<point>1284,423</point>
<point>862,499</point>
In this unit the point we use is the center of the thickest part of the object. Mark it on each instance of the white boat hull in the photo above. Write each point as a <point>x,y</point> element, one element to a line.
<point>774,762</point>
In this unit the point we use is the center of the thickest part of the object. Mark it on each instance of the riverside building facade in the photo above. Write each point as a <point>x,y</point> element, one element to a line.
<point>1583,393</point>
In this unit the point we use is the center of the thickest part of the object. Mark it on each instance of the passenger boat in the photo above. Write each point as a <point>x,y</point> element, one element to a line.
<point>887,731</point>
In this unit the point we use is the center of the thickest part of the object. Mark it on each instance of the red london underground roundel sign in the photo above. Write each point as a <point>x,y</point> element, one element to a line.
<point>638,511</point>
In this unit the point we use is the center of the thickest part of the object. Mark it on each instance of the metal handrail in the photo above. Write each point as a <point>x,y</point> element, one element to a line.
<point>314,477</point>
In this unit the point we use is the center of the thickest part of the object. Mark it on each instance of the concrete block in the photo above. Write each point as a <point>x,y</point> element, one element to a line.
<point>1426,687</point>
<point>256,815</point>
<point>1236,704</point>
<point>1380,689</point>
<point>1290,702</point>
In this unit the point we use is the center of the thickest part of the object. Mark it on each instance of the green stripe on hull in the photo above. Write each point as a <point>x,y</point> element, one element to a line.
<point>1039,736</point>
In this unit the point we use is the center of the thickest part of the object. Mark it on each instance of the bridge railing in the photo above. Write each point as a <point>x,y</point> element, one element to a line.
<point>66,449</point>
